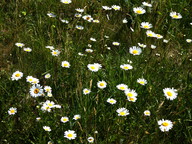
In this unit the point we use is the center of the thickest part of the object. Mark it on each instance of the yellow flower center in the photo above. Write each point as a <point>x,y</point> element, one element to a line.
<point>122,113</point>
<point>146,26</point>
<point>135,51</point>
<point>141,82</point>
<point>139,11</point>
<point>50,104</point>
<point>111,101</point>
<point>165,123</point>
<point>131,99</point>
<point>122,88</point>
<point>86,91</point>
<point>101,84</point>
<point>126,67</point>
<point>36,91</point>
<point>150,34</point>
<point>64,119</point>
<point>129,94</point>
<point>147,113</point>
<point>92,67</point>
<point>65,65</point>
<point>55,52</point>
<point>175,16</point>
<point>12,111</point>
<point>169,94</point>
<point>18,75</point>
<point>70,135</point>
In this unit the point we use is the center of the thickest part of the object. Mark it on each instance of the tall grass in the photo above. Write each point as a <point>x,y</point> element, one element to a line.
<point>26,21</point>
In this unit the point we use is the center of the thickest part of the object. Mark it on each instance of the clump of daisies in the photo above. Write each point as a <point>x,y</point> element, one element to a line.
<point>48,105</point>
<point>131,95</point>
<point>16,76</point>
<point>165,125</point>
<point>170,93</point>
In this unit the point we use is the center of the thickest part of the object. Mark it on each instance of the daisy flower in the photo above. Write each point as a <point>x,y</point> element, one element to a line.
<point>122,87</point>
<point>132,99</point>
<point>88,18</point>
<point>101,84</point>
<point>27,49</point>
<point>189,40</point>
<point>147,4</point>
<point>165,125</point>
<point>115,7</point>
<point>78,15</point>
<point>142,81</point>
<point>116,43</point>
<point>147,113</point>
<point>47,75</point>
<point>66,1</point>
<point>106,8</point>
<point>175,15</point>
<point>146,25</point>
<point>50,142</point>
<point>55,52</point>
<point>70,134</point>
<point>124,20</point>
<point>149,33</point>
<point>90,139</point>
<point>158,36</point>
<point>76,117</point>
<point>29,79</point>
<point>170,93</point>
<point>130,93</point>
<point>79,27</point>
<point>141,45</point>
<point>36,90</point>
<point>89,50</point>
<point>94,67</point>
<point>47,89</point>
<point>35,81</point>
<point>65,64</point>
<point>96,21</point>
<point>79,10</point>
<point>38,119</point>
<point>64,119</point>
<point>19,44</point>
<point>93,39</point>
<point>47,128</point>
<point>64,21</point>
<point>51,15</point>
<point>126,66</point>
<point>139,10</point>
<point>50,47</point>
<point>153,46</point>
<point>165,41</point>
<point>135,50</point>
<point>51,104</point>
<point>122,112</point>
<point>12,111</point>
<point>111,101</point>
<point>16,75</point>
<point>86,91</point>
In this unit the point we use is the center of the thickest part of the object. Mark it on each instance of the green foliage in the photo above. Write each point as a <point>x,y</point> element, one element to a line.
<point>26,21</point>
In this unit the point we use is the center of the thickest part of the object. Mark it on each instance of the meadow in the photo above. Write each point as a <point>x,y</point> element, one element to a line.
<point>95,71</point>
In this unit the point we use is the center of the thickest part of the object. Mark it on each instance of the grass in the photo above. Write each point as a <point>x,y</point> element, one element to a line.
<point>26,21</point>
